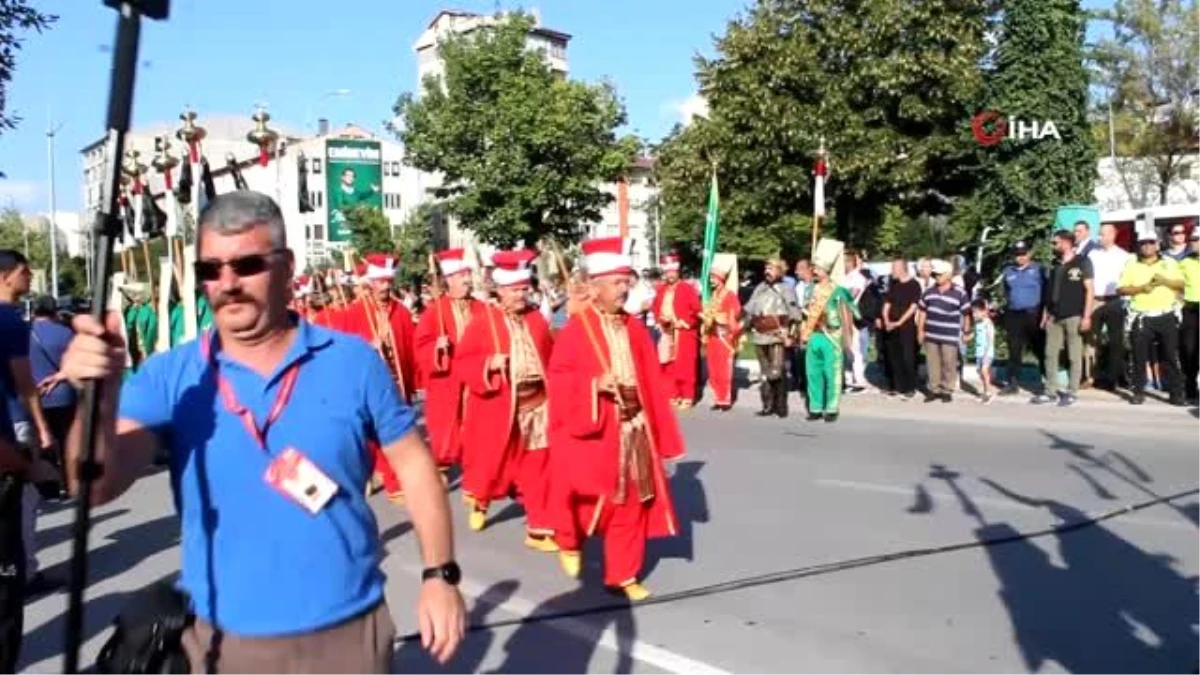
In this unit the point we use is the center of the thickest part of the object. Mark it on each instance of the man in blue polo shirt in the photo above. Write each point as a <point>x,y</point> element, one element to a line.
<point>1024,284</point>
<point>267,420</point>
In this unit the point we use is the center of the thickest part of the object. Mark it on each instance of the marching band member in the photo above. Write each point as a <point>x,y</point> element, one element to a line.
<point>721,326</point>
<point>611,427</point>
<point>377,317</point>
<point>825,332</point>
<point>436,340</point>
<point>677,310</point>
<point>502,362</point>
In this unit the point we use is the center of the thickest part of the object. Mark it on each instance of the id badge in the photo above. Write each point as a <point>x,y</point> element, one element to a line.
<point>300,480</point>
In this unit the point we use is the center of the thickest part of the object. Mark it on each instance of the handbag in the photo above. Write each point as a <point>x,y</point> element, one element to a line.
<point>148,633</point>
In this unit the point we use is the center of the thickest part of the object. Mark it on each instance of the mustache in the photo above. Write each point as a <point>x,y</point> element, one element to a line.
<point>219,300</point>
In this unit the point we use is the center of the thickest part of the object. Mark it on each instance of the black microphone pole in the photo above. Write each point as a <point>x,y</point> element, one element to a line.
<point>107,228</point>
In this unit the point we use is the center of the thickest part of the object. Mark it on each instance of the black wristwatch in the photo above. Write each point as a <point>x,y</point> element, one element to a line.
<point>449,573</point>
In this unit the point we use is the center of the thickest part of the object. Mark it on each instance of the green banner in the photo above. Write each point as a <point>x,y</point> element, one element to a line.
<point>354,177</point>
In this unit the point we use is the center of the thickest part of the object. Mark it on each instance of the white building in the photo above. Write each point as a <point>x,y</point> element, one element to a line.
<point>641,189</point>
<point>1124,183</point>
<point>71,232</point>
<point>383,177</point>
<point>642,214</point>
<point>552,43</point>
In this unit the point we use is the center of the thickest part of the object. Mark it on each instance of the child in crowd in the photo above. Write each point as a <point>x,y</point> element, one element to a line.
<point>985,347</point>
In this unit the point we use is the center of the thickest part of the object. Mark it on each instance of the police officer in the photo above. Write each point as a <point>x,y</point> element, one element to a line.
<point>1024,283</point>
<point>1152,284</point>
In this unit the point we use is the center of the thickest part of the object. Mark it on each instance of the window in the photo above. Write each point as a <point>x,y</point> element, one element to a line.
<point>318,231</point>
<point>316,165</point>
<point>558,50</point>
<point>1185,172</point>
<point>395,168</point>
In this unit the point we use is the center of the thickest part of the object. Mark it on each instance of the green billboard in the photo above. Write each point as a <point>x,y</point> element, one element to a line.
<point>354,178</point>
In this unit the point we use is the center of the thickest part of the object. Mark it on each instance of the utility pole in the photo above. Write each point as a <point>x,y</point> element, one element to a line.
<point>51,130</point>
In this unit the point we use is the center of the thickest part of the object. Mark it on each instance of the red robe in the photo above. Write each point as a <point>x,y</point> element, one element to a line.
<point>495,457</point>
<point>438,377</point>
<point>585,447</point>
<point>721,345</point>
<point>358,319</point>
<point>679,353</point>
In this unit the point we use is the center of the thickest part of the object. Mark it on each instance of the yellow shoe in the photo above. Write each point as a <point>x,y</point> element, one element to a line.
<point>477,519</point>
<point>541,544</point>
<point>396,498</point>
<point>571,562</point>
<point>635,591</point>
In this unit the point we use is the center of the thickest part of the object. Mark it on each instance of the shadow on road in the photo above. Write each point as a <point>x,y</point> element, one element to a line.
<point>51,536</point>
<point>412,658</point>
<point>124,549</point>
<point>1109,607</point>
<point>691,507</point>
<point>46,641</point>
<point>545,648</point>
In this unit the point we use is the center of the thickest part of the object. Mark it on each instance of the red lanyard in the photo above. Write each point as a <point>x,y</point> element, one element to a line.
<point>230,399</point>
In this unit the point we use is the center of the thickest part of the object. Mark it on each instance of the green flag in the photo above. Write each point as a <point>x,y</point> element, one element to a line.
<point>711,222</point>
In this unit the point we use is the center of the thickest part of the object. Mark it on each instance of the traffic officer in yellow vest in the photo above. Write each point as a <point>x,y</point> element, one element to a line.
<point>1189,331</point>
<point>1152,283</point>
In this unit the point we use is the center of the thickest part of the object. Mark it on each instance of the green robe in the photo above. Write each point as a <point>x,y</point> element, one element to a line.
<point>204,313</point>
<point>823,356</point>
<point>141,325</point>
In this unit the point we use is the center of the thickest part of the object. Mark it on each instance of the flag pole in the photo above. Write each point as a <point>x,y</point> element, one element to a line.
<point>818,195</point>
<point>710,233</point>
<point>107,228</point>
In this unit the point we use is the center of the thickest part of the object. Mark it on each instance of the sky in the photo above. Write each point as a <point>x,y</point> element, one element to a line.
<point>222,57</point>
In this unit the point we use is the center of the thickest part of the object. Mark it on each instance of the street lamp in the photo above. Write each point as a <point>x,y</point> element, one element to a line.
<point>50,133</point>
<point>308,120</point>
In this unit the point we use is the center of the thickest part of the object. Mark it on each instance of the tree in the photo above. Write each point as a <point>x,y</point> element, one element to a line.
<point>370,231</point>
<point>72,273</point>
<point>888,84</point>
<point>521,151</point>
<point>1037,74</point>
<point>17,18</point>
<point>1149,71</point>
<point>414,243</point>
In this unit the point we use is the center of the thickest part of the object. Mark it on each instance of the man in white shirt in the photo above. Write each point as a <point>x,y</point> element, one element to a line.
<point>856,282</point>
<point>641,297</point>
<point>1108,260</point>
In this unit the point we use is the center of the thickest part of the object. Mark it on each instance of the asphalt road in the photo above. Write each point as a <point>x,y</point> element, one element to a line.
<point>768,496</point>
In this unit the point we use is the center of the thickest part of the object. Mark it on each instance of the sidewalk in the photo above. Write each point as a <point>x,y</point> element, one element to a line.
<point>746,374</point>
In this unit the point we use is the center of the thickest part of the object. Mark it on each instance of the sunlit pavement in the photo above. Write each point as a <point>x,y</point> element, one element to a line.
<point>761,496</point>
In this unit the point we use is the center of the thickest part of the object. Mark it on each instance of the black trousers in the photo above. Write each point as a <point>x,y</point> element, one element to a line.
<point>885,359</point>
<point>900,345</point>
<point>12,573</point>
<point>1189,347</point>
<point>1108,318</point>
<point>797,370</point>
<point>1023,328</point>
<point>1157,336</point>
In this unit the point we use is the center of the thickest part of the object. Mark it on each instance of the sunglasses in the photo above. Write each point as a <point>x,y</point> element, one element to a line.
<point>1175,232</point>
<point>243,266</point>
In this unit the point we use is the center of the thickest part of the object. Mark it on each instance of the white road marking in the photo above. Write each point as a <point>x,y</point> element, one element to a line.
<point>992,502</point>
<point>639,650</point>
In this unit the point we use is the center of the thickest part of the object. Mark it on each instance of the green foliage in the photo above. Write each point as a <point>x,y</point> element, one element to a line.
<point>414,245</point>
<point>889,84</point>
<point>72,272</point>
<point>17,17</point>
<point>370,231</point>
<point>1038,74</point>
<point>1148,70</point>
<point>521,151</point>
